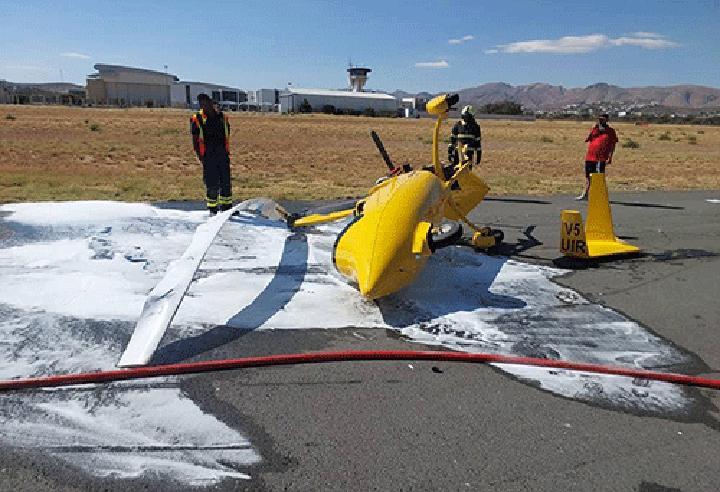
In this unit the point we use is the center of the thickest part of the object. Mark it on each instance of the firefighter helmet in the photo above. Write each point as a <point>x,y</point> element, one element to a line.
<point>468,110</point>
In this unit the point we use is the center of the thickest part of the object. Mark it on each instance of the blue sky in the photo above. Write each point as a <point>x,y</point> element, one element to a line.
<point>421,45</point>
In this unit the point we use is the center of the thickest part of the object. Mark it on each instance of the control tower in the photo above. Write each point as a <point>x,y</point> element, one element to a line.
<point>357,77</point>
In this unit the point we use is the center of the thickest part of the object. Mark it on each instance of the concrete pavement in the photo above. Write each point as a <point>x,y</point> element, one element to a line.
<point>430,426</point>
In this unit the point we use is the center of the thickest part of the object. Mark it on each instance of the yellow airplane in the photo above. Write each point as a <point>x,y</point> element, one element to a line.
<point>404,218</point>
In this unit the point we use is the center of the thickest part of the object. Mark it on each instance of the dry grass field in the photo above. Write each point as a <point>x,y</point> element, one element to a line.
<point>58,153</point>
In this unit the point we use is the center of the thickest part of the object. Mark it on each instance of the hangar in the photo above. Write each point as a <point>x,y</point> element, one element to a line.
<point>316,100</point>
<point>353,100</point>
<point>128,86</point>
<point>184,94</point>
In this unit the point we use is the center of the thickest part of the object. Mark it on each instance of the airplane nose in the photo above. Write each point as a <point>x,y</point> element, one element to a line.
<point>387,270</point>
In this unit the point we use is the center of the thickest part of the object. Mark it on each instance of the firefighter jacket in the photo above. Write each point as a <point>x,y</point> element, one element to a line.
<point>466,133</point>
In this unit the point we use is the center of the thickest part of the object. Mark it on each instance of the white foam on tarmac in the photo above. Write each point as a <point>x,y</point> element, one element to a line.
<point>71,292</point>
<point>68,304</point>
<point>462,300</point>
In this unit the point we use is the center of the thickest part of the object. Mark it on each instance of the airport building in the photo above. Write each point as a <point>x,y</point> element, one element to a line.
<point>42,93</point>
<point>128,86</point>
<point>263,100</point>
<point>184,95</point>
<point>354,100</point>
<point>5,96</point>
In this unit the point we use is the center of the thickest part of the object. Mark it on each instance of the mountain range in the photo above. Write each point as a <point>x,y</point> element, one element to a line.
<point>541,96</point>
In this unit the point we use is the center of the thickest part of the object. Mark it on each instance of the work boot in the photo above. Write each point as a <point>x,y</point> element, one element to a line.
<point>213,211</point>
<point>225,206</point>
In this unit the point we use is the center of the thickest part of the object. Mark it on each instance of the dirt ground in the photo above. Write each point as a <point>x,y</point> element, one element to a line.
<point>59,153</point>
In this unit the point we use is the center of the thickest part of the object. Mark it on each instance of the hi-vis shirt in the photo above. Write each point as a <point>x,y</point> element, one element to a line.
<point>601,143</point>
<point>209,131</point>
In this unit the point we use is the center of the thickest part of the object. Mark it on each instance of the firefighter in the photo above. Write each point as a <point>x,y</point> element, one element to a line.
<point>210,135</point>
<point>465,132</point>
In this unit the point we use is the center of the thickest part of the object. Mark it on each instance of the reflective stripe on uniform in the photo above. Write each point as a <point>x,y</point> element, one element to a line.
<point>225,200</point>
<point>211,202</point>
<point>199,119</point>
<point>200,122</point>
<point>466,135</point>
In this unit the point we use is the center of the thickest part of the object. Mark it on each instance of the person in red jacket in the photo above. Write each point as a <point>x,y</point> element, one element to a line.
<point>601,145</point>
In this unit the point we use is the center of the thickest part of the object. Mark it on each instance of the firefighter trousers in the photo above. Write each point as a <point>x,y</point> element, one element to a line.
<point>216,176</point>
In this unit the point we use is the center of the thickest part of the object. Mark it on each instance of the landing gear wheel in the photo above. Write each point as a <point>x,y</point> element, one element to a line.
<point>447,235</point>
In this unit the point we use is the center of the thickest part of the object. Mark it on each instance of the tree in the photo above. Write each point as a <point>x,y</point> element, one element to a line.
<point>305,107</point>
<point>502,107</point>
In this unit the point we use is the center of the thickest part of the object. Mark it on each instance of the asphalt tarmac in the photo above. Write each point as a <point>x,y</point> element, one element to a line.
<point>442,426</point>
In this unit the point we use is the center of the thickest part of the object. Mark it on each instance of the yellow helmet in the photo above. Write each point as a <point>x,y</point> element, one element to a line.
<point>468,110</point>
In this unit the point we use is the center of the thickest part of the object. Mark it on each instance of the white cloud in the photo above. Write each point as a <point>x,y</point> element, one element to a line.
<point>461,40</point>
<point>645,34</point>
<point>73,54</point>
<point>585,44</point>
<point>492,51</point>
<point>566,44</point>
<point>647,43</point>
<point>433,64</point>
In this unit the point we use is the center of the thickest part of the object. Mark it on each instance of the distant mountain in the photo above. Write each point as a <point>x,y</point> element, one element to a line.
<point>545,96</point>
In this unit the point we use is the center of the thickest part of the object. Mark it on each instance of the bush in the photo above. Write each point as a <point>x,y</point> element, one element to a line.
<point>546,139</point>
<point>692,140</point>
<point>94,127</point>
<point>368,112</point>
<point>664,136</point>
<point>328,109</point>
<point>10,117</point>
<point>629,143</point>
<point>503,107</point>
<point>305,107</point>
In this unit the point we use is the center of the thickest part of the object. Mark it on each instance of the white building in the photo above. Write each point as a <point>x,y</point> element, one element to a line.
<point>184,94</point>
<point>129,86</point>
<point>320,100</point>
<point>263,100</point>
<point>409,106</point>
<point>354,100</point>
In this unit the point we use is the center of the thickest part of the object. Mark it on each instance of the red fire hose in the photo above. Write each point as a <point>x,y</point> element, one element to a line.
<point>343,356</point>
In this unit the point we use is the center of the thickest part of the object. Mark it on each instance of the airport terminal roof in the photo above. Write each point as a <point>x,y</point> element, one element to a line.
<point>103,67</point>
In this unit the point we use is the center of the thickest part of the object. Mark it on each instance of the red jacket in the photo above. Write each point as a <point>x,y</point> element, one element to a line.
<point>601,144</point>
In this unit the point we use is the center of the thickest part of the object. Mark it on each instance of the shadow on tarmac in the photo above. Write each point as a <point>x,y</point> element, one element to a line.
<point>517,200</point>
<point>458,280</point>
<point>288,278</point>
<point>522,245</point>
<point>647,205</point>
